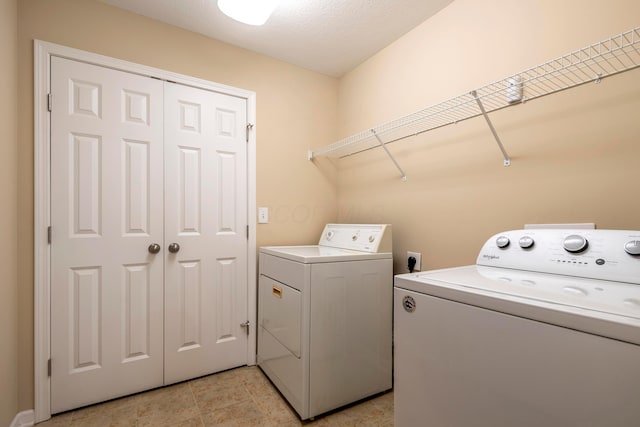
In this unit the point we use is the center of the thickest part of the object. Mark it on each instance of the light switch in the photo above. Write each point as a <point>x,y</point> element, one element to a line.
<point>263,215</point>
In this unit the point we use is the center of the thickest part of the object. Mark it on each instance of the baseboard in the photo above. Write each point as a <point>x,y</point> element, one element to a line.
<point>23,419</point>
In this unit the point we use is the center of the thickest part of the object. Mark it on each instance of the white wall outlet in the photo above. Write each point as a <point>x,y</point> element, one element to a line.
<point>418,257</point>
<point>263,215</point>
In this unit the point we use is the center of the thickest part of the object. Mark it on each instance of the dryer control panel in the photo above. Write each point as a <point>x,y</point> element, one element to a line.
<point>596,254</point>
<point>372,238</point>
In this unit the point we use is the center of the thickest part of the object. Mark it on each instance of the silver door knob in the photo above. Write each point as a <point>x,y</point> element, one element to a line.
<point>154,248</point>
<point>174,247</point>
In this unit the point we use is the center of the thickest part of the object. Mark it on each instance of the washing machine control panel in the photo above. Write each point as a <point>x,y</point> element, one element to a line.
<point>357,237</point>
<point>597,254</point>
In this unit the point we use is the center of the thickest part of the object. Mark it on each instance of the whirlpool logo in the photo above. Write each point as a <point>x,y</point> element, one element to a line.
<point>490,257</point>
<point>409,304</point>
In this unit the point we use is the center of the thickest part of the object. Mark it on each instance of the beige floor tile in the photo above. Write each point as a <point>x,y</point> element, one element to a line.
<point>240,414</point>
<point>226,378</point>
<point>167,406</point>
<point>109,416</point>
<point>99,420</point>
<point>167,415</point>
<point>273,405</point>
<point>284,415</point>
<point>180,391</point>
<point>123,405</point>
<point>220,396</point>
<point>278,423</point>
<point>191,422</point>
<point>238,397</point>
<point>252,375</point>
<point>336,419</point>
<point>384,401</point>
<point>61,420</point>
<point>366,415</point>
<point>262,390</point>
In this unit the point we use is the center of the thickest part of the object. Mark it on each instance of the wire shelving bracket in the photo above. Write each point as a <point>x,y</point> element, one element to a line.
<point>404,175</point>
<point>507,160</point>
<point>590,64</point>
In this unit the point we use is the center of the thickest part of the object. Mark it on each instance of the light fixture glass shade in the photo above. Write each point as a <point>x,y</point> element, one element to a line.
<point>252,12</point>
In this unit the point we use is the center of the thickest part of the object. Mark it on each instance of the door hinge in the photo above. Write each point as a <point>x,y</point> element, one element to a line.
<point>247,232</point>
<point>49,234</point>
<point>49,367</point>
<point>49,102</point>
<point>249,127</point>
<point>246,325</point>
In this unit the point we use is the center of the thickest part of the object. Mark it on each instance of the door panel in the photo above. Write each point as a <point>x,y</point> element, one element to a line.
<point>189,303</point>
<point>86,321</point>
<point>206,214</point>
<point>106,209</point>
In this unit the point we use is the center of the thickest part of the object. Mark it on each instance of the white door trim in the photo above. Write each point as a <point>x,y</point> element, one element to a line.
<point>43,51</point>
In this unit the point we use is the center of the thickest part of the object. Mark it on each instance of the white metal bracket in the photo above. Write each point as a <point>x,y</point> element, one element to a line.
<point>404,176</point>
<point>507,160</point>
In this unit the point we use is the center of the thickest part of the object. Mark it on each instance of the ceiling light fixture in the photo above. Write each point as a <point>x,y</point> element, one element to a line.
<point>252,12</point>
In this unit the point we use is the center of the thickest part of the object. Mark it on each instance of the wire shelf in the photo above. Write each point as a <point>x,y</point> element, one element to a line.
<point>590,64</point>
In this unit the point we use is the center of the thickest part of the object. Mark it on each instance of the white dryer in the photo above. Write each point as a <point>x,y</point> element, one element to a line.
<point>543,331</point>
<point>325,317</point>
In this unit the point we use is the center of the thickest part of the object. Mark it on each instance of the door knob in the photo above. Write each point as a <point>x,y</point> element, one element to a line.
<point>174,247</point>
<point>154,248</point>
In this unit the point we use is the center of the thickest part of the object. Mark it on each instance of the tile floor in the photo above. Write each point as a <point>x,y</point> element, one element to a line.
<point>239,397</point>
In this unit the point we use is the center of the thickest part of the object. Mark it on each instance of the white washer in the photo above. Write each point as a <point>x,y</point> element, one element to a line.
<point>543,331</point>
<point>325,317</point>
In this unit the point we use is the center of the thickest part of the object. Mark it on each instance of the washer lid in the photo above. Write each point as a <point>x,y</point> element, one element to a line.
<point>596,306</point>
<point>316,253</point>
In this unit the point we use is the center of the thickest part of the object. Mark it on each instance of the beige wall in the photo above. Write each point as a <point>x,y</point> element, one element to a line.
<point>575,154</point>
<point>296,109</point>
<point>8,213</point>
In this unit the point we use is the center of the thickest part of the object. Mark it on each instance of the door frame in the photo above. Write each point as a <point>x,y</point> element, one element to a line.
<point>43,51</point>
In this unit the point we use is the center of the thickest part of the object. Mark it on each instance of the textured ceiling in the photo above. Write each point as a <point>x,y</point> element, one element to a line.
<point>328,36</point>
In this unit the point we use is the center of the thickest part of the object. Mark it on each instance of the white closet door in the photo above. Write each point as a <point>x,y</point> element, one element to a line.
<point>106,209</point>
<point>206,215</point>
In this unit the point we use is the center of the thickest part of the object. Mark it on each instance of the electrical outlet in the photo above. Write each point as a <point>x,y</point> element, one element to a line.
<point>418,257</point>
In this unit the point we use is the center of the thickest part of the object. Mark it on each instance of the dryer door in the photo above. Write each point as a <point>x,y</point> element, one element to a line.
<point>280,313</point>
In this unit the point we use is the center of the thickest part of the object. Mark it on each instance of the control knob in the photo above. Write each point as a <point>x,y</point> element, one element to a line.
<point>502,242</point>
<point>575,244</point>
<point>632,247</point>
<point>526,242</point>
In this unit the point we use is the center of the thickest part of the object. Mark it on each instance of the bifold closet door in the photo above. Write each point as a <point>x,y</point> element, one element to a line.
<point>205,232</point>
<point>149,233</point>
<point>106,213</point>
